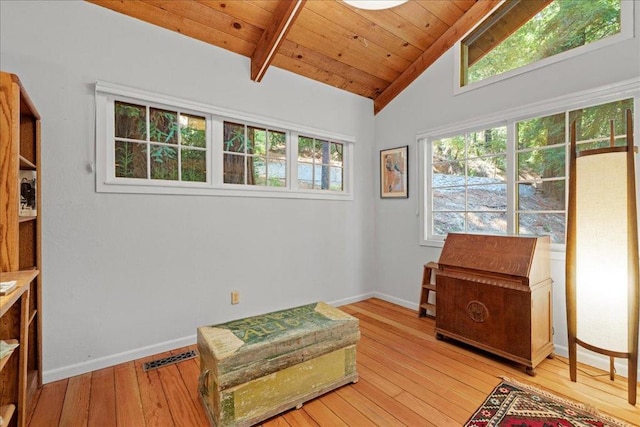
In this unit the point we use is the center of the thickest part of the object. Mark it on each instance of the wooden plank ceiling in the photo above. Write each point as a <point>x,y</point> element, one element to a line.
<point>372,53</point>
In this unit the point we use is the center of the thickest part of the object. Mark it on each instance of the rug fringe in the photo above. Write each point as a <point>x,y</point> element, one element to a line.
<point>577,405</point>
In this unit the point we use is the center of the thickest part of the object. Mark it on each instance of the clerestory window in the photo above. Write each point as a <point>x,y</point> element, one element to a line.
<point>521,33</point>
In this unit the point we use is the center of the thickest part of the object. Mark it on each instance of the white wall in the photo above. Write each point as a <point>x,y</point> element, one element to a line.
<point>132,275</point>
<point>429,103</point>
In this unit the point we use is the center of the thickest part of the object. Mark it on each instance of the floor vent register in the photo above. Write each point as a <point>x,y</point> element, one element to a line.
<point>159,363</point>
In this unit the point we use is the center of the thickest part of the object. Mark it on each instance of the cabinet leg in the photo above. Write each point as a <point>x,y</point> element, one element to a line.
<point>531,371</point>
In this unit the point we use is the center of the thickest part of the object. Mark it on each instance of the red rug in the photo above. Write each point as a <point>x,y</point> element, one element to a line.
<point>517,405</point>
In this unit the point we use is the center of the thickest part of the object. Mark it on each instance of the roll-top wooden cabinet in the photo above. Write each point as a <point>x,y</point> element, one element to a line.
<point>494,293</point>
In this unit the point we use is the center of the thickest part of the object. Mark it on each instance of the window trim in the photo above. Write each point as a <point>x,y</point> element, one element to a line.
<point>106,182</point>
<point>627,17</point>
<point>626,89</point>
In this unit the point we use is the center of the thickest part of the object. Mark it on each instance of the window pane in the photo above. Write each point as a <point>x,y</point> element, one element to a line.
<point>234,169</point>
<point>194,166</point>
<point>541,131</point>
<point>488,169</point>
<point>234,139</point>
<point>489,141</point>
<point>277,144</point>
<point>487,197</point>
<point>305,149</point>
<point>164,162</point>
<point>257,143</point>
<point>193,131</point>
<point>258,170</point>
<point>163,126</point>
<point>131,159</point>
<point>593,123</point>
<point>448,222</point>
<point>542,196</point>
<point>491,223</point>
<point>448,174</point>
<point>449,199</point>
<point>130,121</point>
<point>277,173</point>
<point>543,163</point>
<point>505,44</point>
<point>336,154</point>
<point>552,224</point>
<point>335,181</point>
<point>448,149</point>
<point>305,175</point>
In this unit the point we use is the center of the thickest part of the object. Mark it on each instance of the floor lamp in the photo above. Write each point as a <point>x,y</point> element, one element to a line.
<point>602,254</point>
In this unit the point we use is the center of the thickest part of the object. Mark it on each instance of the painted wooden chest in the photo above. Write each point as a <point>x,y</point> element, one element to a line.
<point>254,368</point>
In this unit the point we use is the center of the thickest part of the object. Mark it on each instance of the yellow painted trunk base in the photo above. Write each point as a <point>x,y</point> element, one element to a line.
<point>259,399</point>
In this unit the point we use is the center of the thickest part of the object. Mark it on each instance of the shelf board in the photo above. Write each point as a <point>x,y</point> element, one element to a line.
<point>5,359</point>
<point>32,316</point>
<point>6,413</point>
<point>26,163</point>
<point>24,278</point>
<point>27,218</point>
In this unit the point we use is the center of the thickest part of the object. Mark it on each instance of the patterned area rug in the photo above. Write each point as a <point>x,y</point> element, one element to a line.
<point>518,405</point>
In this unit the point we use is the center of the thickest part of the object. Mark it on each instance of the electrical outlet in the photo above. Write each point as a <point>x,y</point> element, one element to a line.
<point>235,297</point>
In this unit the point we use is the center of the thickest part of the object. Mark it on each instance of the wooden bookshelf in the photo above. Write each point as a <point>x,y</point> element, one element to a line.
<point>20,252</point>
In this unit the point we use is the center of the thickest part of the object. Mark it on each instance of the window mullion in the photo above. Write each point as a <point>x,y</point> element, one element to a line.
<point>148,136</point>
<point>511,180</point>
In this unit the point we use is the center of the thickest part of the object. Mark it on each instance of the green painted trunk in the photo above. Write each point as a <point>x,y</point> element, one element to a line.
<point>254,368</point>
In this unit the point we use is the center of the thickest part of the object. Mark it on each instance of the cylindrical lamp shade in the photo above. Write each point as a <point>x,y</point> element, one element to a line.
<point>602,279</point>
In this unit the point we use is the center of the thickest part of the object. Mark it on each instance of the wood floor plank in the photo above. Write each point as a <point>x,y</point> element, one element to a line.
<point>299,417</point>
<point>154,402</point>
<point>189,372</point>
<point>102,405</point>
<point>75,409</point>
<point>47,412</point>
<point>407,378</point>
<point>129,412</point>
<point>376,414</point>
<point>322,414</point>
<point>183,411</point>
<point>405,414</point>
<point>343,409</point>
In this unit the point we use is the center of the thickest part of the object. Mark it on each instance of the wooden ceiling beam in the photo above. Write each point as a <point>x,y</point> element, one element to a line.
<point>435,51</point>
<point>282,19</point>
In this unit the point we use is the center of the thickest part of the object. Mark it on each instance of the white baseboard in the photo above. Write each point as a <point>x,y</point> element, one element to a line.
<point>412,305</point>
<point>352,300</point>
<point>115,359</point>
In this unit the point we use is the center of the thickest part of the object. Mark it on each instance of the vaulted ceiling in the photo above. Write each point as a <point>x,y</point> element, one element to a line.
<point>372,53</point>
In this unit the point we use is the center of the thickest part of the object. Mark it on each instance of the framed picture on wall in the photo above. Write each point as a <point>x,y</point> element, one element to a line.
<point>394,169</point>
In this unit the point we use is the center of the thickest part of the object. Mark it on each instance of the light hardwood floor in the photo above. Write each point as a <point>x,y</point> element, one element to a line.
<point>407,378</point>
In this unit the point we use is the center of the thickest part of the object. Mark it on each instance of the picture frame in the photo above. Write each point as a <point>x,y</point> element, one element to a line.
<point>394,172</point>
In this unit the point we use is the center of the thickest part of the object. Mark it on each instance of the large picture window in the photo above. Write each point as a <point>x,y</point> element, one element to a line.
<point>511,178</point>
<point>148,143</point>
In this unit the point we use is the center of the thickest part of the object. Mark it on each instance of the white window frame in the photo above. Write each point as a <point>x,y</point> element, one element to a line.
<point>106,181</point>
<point>626,32</point>
<point>603,95</point>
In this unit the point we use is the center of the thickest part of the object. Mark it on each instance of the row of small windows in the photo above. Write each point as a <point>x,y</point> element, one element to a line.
<point>160,144</point>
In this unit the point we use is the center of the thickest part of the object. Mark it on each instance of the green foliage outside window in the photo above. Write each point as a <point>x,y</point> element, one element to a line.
<point>167,131</point>
<point>563,25</point>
